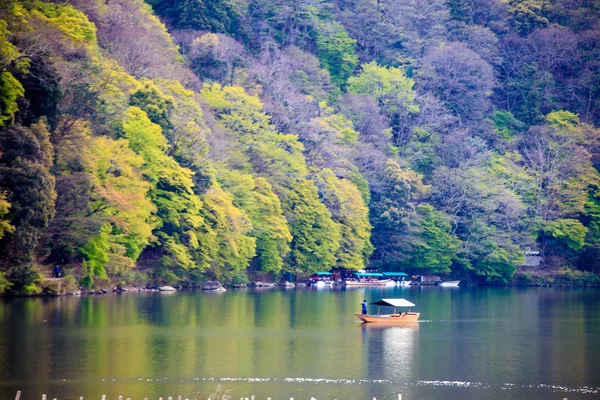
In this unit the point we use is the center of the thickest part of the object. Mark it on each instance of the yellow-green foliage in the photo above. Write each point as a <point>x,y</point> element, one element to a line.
<point>231,225</point>
<point>187,135</point>
<point>9,53</point>
<point>279,159</point>
<point>390,87</point>
<point>10,88</point>
<point>349,211</point>
<point>95,253</point>
<point>178,208</point>
<point>256,197</point>
<point>10,91</point>
<point>5,226</point>
<point>113,84</point>
<point>316,238</point>
<point>72,22</point>
<point>122,193</point>
<point>342,125</point>
<point>268,152</point>
<point>570,231</point>
<point>154,103</point>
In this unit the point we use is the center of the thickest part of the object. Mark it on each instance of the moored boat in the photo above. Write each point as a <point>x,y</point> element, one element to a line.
<point>394,318</point>
<point>449,283</point>
<point>320,279</point>
<point>398,278</point>
<point>367,279</point>
<point>382,282</point>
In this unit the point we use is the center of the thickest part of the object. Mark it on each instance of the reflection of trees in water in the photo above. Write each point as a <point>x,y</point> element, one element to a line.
<point>488,335</point>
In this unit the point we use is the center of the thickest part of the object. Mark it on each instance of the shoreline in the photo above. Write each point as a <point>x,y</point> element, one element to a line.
<point>530,280</point>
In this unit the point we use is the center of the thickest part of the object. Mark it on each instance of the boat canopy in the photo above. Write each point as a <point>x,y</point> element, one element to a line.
<point>323,273</point>
<point>393,303</point>
<point>394,274</point>
<point>368,274</point>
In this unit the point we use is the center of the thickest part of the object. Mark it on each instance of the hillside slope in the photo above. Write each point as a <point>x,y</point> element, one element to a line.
<point>255,138</point>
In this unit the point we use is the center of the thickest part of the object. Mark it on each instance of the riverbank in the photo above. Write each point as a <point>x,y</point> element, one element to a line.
<point>52,287</point>
<point>68,285</point>
<point>558,279</point>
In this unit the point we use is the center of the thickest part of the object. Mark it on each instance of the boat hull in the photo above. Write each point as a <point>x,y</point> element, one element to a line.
<point>375,283</point>
<point>449,283</point>
<point>401,318</point>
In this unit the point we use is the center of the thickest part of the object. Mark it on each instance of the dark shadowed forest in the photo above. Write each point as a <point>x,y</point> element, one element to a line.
<point>178,141</point>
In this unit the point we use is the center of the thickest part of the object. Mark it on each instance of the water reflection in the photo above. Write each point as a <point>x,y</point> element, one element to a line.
<point>395,347</point>
<point>492,335</point>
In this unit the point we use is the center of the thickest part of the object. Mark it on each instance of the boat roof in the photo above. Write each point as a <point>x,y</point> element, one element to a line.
<point>323,273</point>
<point>367,274</point>
<point>393,303</point>
<point>395,274</point>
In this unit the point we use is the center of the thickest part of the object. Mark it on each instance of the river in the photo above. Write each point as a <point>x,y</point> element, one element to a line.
<point>471,343</point>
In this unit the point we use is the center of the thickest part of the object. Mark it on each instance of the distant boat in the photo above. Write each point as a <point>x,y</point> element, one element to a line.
<point>449,283</point>
<point>368,279</point>
<point>320,279</point>
<point>398,278</point>
<point>383,282</point>
<point>394,318</point>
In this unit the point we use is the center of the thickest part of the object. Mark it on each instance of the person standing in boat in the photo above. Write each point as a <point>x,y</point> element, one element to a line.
<point>364,307</point>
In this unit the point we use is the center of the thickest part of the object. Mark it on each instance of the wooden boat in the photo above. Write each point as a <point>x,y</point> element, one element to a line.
<point>449,283</point>
<point>394,318</point>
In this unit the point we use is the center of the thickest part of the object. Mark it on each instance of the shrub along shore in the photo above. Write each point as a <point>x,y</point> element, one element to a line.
<point>66,286</point>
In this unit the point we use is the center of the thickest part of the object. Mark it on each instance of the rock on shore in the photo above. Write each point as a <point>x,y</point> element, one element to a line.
<point>214,286</point>
<point>264,284</point>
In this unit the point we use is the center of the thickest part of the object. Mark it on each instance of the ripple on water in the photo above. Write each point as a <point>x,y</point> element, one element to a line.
<point>344,381</point>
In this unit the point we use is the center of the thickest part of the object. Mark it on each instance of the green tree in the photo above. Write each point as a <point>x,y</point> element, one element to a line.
<point>432,247</point>
<point>392,210</point>
<point>569,231</point>
<point>391,89</point>
<point>232,228</point>
<point>5,226</point>
<point>486,216</point>
<point>336,51</point>
<point>26,180</point>
<point>259,149</point>
<point>11,61</point>
<point>351,214</point>
<point>215,15</point>
<point>187,130</point>
<point>316,238</point>
<point>95,256</point>
<point>529,14</point>
<point>270,228</point>
<point>154,103</point>
<point>557,158</point>
<point>179,209</point>
<point>121,194</point>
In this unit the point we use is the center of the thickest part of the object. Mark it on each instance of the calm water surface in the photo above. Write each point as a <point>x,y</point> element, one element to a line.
<point>472,343</point>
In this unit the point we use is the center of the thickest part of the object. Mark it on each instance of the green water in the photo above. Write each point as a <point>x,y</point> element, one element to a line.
<point>471,343</point>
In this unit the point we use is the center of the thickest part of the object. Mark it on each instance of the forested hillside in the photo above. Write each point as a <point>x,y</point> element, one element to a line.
<point>177,141</point>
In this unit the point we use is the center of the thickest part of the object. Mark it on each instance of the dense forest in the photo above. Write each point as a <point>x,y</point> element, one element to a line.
<point>178,141</point>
